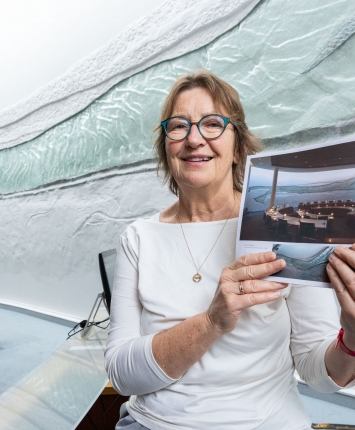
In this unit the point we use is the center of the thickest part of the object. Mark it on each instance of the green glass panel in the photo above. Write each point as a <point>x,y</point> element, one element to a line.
<point>264,58</point>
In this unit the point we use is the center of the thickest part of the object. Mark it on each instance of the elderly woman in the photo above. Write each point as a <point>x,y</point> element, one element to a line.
<point>198,339</point>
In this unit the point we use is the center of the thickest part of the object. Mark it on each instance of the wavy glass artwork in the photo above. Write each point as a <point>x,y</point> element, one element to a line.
<point>292,63</point>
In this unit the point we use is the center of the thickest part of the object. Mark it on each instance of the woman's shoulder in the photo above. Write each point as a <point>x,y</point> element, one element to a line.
<point>166,216</point>
<point>149,222</point>
<point>143,232</point>
<point>142,222</point>
<point>134,232</point>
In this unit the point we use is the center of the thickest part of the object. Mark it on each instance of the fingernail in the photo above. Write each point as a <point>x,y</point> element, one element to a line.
<point>274,294</point>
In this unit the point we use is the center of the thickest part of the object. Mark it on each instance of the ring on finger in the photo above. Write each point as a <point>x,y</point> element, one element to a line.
<point>240,287</point>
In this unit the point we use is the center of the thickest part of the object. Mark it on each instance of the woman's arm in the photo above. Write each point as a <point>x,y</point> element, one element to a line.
<point>314,326</point>
<point>341,271</point>
<point>177,349</point>
<point>128,357</point>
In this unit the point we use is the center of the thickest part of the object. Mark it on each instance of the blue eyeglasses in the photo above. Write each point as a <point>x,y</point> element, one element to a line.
<point>210,126</point>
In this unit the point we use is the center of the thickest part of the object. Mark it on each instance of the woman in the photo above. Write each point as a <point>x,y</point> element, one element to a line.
<point>197,339</point>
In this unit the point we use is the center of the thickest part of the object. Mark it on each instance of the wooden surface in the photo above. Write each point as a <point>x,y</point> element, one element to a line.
<point>105,412</point>
<point>109,390</point>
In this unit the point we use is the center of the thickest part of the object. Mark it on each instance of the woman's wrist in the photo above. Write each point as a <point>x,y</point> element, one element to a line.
<point>211,327</point>
<point>346,343</point>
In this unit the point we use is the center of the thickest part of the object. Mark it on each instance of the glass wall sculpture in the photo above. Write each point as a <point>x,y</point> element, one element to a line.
<point>292,63</point>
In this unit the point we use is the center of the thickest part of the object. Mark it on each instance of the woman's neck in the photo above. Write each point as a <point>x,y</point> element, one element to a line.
<point>197,206</point>
<point>214,209</point>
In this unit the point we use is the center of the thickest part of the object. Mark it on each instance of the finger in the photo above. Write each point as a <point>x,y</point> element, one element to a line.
<point>249,300</point>
<point>346,301</point>
<point>251,259</point>
<point>255,271</point>
<point>258,286</point>
<point>345,272</point>
<point>346,254</point>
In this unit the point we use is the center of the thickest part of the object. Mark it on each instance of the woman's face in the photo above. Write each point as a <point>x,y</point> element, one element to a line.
<point>216,170</point>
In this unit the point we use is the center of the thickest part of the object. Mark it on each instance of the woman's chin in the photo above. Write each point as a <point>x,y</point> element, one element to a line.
<point>205,180</point>
<point>196,182</point>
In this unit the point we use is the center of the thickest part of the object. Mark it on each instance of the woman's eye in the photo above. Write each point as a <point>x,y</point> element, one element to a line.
<point>214,125</point>
<point>177,126</point>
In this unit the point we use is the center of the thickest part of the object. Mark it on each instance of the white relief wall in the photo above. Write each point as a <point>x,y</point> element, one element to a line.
<point>50,240</point>
<point>67,194</point>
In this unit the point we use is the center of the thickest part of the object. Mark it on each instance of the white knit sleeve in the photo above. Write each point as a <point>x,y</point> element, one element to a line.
<point>129,360</point>
<point>314,326</point>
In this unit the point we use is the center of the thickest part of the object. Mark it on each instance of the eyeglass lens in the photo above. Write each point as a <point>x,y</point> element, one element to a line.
<point>210,127</point>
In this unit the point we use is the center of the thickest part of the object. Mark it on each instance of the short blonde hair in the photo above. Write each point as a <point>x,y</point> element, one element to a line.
<point>225,96</point>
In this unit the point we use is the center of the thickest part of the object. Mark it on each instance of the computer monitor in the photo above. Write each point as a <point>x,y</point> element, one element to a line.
<point>107,262</point>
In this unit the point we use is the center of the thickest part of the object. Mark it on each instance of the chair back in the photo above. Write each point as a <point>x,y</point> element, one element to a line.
<point>307,229</point>
<point>282,225</point>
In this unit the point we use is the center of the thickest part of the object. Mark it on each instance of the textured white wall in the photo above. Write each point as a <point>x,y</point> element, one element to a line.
<point>49,241</point>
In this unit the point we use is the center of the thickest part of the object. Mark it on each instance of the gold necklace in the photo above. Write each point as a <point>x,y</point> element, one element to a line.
<point>197,276</point>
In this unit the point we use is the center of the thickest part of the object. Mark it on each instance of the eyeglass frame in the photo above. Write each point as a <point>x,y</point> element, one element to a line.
<point>226,121</point>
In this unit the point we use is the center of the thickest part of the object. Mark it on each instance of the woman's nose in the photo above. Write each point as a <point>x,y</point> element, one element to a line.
<point>195,138</point>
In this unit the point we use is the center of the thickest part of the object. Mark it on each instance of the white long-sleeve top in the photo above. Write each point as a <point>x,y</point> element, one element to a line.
<point>245,380</point>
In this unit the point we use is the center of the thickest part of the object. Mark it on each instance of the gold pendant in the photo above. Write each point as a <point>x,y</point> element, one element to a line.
<point>197,278</point>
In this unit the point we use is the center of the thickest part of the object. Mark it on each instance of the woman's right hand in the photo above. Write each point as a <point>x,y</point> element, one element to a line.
<point>229,302</point>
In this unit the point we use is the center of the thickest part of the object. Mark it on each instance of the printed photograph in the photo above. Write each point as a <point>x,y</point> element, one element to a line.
<point>303,197</point>
<point>303,262</point>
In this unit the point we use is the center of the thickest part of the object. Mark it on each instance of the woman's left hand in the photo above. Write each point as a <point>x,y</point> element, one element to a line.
<point>341,272</point>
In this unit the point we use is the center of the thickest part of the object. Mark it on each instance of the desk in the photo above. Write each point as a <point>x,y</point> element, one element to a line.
<point>58,394</point>
<point>319,206</point>
<point>312,216</point>
<point>317,222</point>
<point>296,221</point>
<point>340,210</point>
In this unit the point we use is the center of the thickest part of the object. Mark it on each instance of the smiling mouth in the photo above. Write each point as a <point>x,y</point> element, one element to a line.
<point>198,159</point>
